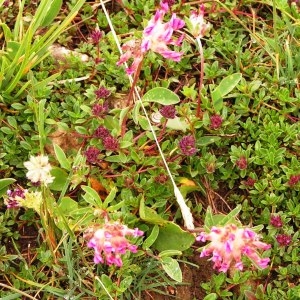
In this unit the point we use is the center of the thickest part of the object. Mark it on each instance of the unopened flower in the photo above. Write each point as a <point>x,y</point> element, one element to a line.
<point>99,109</point>
<point>96,36</point>
<point>283,239</point>
<point>101,132</point>
<point>197,25</point>
<point>249,182</point>
<point>216,121</point>
<point>294,179</point>
<point>110,243</point>
<point>92,154</point>
<point>169,2</point>
<point>14,197</point>
<point>168,111</point>
<point>241,163</point>
<point>276,221</point>
<point>187,145</point>
<point>229,243</point>
<point>39,170</point>
<point>102,93</point>
<point>110,143</point>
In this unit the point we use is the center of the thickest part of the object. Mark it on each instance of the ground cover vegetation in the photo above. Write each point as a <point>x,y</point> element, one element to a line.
<point>149,150</point>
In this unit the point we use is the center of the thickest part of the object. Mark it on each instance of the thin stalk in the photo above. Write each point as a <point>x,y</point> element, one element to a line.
<point>198,40</point>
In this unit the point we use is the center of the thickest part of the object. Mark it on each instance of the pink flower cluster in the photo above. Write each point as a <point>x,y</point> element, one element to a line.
<point>156,37</point>
<point>110,242</point>
<point>228,245</point>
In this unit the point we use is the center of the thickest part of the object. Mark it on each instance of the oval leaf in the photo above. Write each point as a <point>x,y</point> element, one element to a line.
<point>172,237</point>
<point>172,268</point>
<point>162,96</point>
<point>151,238</point>
<point>4,183</point>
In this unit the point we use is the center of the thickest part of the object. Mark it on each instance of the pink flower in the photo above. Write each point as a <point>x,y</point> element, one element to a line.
<point>156,37</point>
<point>110,242</point>
<point>228,245</point>
<point>197,25</point>
<point>132,49</point>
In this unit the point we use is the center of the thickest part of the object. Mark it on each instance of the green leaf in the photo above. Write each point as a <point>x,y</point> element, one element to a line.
<point>53,11</point>
<point>92,197</point>
<point>4,183</point>
<point>67,205</point>
<point>229,218</point>
<point>162,96</point>
<point>208,221</point>
<point>169,253</point>
<point>177,124</point>
<point>211,296</point>
<point>172,268</point>
<point>206,140</point>
<point>225,87</point>
<point>172,237</point>
<point>149,215</point>
<point>111,196</point>
<point>60,179</point>
<point>61,157</point>
<point>151,238</point>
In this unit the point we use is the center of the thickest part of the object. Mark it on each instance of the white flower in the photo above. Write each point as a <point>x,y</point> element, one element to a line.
<point>39,170</point>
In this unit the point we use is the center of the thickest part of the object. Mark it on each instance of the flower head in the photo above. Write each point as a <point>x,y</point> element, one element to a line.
<point>101,132</point>
<point>216,121</point>
<point>99,109</point>
<point>132,49</point>
<point>276,221</point>
<point>39,170</point>
<point>197,25</point>
<point>229,243</point>
<point>14,197</point>
<point>294,179</point>
<point>96,36</point>
<point>241,163</point>
<point>283,239</point>
<point>187,145</point>
<point>168,111</point>
<point>110,243</point>
<point>92,154</point>
<point>157,36</point>
<point>110,143</point>
<point>102,93</point>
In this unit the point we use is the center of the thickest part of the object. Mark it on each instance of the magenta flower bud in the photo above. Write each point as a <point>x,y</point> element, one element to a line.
<point>99,109</point>
<point>187,145</point>
<point>110,242</point>
<point>102,93</point>
<point>168,111</point>
<point>96,36</point>
<point>241,163</point>
<point>110,143</point>
<point>101,132</point>
<point>294,179</point>
<point>276,221</point>
<point>283,239</point>
<point>216,121</point>
<point>92,154</point>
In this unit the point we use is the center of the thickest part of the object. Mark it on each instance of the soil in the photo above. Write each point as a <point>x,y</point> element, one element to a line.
<point>192,278</point>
